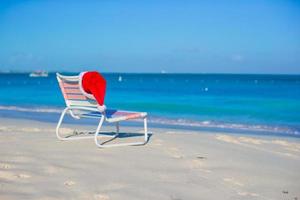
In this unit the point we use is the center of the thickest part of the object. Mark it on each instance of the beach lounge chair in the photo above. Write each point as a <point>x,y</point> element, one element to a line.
<point>80,106</point>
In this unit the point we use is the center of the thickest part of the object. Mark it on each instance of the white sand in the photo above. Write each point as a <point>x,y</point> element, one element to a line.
<point>174,165</point>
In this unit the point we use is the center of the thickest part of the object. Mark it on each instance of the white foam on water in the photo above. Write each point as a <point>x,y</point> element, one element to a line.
<point>179,122</point>
<point>23,109</point>
<point>224,125</point>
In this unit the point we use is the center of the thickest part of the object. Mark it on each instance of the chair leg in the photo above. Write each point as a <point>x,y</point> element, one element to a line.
<point>98,130</point>
<point>59,124</point>
<point>58,127</point>
<point>145,130</point>
<point>120,144</point>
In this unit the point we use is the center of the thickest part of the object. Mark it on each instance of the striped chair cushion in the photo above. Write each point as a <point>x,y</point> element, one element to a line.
<point>73,96</point>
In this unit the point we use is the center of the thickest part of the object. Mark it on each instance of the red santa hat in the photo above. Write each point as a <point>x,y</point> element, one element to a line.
<point>93,85</point>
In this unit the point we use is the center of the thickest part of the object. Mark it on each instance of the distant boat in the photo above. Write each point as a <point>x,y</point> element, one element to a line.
<point>120,79</point>
<point>39,74</point>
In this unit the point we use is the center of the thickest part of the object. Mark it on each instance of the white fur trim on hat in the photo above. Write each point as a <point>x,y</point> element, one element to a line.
<point>101,108</point>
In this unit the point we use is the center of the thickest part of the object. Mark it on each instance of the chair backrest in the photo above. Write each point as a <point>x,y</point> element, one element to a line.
<point>73,96</point>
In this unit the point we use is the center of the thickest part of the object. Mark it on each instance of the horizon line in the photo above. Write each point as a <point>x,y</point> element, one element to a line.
<point>190,73</point>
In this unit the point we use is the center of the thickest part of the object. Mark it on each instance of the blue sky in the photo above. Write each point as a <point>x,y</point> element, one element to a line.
<point>254,36</point>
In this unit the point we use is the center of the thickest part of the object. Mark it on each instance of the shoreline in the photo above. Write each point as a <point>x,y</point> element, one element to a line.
<point>174,164</point>
<point>52,114</point>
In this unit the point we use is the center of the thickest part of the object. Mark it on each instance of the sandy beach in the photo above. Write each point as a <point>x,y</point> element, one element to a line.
<point>215,86</point>
<point>173,165</point>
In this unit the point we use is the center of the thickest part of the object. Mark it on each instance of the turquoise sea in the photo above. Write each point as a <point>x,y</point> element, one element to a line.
<point>266,104</point>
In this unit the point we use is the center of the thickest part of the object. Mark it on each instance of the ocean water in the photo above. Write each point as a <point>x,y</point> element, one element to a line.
<point>259,103</point>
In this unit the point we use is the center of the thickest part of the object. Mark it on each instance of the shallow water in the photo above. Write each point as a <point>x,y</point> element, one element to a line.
<point>244,102</point>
